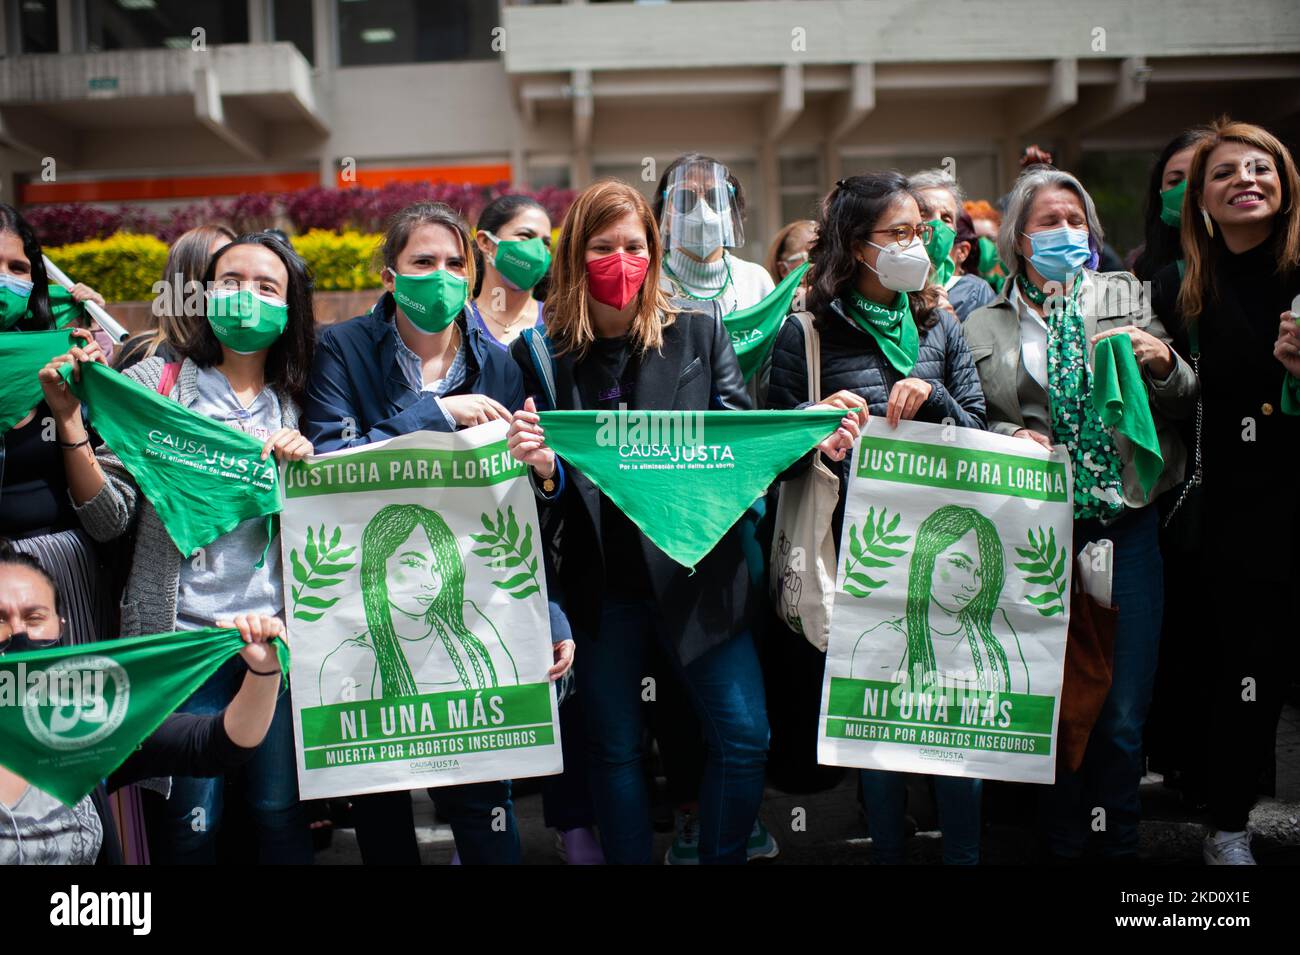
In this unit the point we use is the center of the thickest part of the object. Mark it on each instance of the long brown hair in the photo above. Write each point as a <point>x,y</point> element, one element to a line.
<point>187,260</point>
<point>568,321</point>
<point>1200,250</point>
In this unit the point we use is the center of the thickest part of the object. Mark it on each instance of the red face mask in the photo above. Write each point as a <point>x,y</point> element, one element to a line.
<point>615,279</point>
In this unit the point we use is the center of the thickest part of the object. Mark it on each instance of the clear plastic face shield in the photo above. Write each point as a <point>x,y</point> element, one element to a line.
<point>700,213</point>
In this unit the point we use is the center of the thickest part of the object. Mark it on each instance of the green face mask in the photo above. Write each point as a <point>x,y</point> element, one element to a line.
<point>939,248</point>
<point>430,302</point>
<point>14,293</point>
<point>244,321</point>
<point>1171,205</point>
<point>521,262</point>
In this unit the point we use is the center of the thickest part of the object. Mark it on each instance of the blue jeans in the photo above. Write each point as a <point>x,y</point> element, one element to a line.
<point>884,794</point>
<point>193,812</point>
<point>726,690</point>
<point>385,824</point>
<point>1103,795</point>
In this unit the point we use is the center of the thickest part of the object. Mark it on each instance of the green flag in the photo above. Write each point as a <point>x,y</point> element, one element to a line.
<point>71,715</point>
<point>22,356</point>
<point>204,478</point>
<point>1120,397</point>
<point>685,477</point>
<point>753,330</point>
<point>64,309</point>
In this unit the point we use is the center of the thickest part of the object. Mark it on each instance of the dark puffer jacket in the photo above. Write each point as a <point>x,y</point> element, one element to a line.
<point>852,361</point>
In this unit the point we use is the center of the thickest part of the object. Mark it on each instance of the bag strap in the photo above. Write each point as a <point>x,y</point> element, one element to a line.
<point>539,347</point>
<point>171,371</point>
<point>812,354</point>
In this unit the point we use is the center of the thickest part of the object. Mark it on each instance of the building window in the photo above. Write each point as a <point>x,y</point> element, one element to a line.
<point>381,32</point>
<point>292,21</point>
<point>148,24</point>
<point>38,26</point>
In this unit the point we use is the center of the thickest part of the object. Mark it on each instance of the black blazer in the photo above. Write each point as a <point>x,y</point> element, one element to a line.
<point>695,370</point>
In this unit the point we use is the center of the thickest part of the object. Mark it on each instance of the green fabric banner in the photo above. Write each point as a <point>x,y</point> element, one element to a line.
<point>64,309</point>
<point>70,716</point>
<point>1291,395</point>
<point>1120,397</point>
<point>22,356</point>
<point>204,478</point>
<point>753,330</point>
<point>685,477</point>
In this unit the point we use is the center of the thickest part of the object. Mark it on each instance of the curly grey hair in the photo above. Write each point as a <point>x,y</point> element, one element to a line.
<point>1020,200</point>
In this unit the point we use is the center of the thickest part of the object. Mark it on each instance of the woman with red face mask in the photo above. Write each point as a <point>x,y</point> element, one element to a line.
<point>616,342</point>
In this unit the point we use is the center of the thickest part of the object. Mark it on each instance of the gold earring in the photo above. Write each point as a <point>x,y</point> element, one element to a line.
<point>1209,223</point>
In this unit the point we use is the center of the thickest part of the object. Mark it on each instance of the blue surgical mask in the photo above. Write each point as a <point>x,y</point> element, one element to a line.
<point>1059,253</point>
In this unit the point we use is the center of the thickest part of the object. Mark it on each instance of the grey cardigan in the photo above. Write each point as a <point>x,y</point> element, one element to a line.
<point>149,601</point>
<point>1112,300</point>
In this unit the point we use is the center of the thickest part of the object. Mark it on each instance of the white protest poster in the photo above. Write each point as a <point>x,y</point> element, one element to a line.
<point>952,602</point>
<point>418,624</point>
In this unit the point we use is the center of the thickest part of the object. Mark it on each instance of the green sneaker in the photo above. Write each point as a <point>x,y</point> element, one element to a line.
<point>761,844</point>
<point>685,849</point>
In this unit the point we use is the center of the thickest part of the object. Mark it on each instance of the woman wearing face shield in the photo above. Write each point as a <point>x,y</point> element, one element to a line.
<point>35,827</point>
<point>1034,348</point>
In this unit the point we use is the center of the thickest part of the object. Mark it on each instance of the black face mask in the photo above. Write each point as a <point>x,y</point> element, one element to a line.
<point>22,642</point>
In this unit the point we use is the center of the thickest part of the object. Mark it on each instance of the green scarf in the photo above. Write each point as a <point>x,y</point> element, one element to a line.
<point>64,309</point>
<point>990,267</point>
<point>66,749</point>
<point>203,477</point>
<point>753,329</point>
<point>892,328</point>
<point>685,477</point>
<point>22,356</point>
<point>1076,421</point>
<point>1120,397</point>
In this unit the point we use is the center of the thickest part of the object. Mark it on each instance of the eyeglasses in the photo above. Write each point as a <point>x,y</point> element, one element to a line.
<point>796,259</point>
<point>904,234</point>
<point>683,198</point>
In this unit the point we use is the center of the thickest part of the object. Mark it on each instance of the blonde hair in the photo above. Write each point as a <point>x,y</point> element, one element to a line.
<point>1200,250</point>
<point>187,259</point>
<point>568,321</point>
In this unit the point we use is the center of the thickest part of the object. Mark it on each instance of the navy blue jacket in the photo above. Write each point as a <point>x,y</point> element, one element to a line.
<point>358,389</point>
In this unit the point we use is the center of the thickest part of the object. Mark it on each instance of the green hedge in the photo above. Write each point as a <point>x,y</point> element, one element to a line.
<point>340,261</point>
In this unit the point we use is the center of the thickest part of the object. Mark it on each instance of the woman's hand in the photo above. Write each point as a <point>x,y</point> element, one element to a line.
<point>1287,349</point>
<point>844,400</point>
<point>63,403</point>
<point>906,398</point>
<point>1036,436</point>
<point>257,630</point>
<point>288,445</point>
<point>563,659</point>
<point>84,293</point>
<point>841,441</point>
<point>527,441</point>
<point>1150,352</point>
<point>471,410</point>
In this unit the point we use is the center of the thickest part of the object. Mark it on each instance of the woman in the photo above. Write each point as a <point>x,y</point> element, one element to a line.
<point>790,248</point>
<point>618,342</point>
<point>412,582</point>
<point>178,302</point>
<point>1164,206</point>
<point>513,253</point>
<point>887,347</point>
<point>417,361</point>
<point>941,205</point>
<point>954,634</point>
<point>35,827</point>
<point>246,365</point>
<point>1241,238</point>
<point>1033,348</point>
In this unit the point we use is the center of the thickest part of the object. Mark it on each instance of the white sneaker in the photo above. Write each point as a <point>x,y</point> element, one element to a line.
<point>1227,848</point>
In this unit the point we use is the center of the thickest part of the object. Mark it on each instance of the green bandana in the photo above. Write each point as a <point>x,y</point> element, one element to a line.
<point>1076,422</point>
<point>1171,205</point>
<point>70,716</point>
<point>939,249</point>
<point>1291,395</point>
<point>685,477</point>
<point>1120,397</point>
<point>753,329</point>
<point>990,267</point>
<point>64,309</point>
<point>892,328</point>
<point>22,356</point>
<point>203,477</point>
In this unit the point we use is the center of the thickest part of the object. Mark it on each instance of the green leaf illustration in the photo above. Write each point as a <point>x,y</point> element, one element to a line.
<point>1044,566</point>
<point>503,549</point>
<point>323,565</point>
<point>873,545</point>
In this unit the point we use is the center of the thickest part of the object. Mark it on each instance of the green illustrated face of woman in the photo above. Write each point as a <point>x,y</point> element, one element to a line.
<point>957,574</point>
<point>414,580</point>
